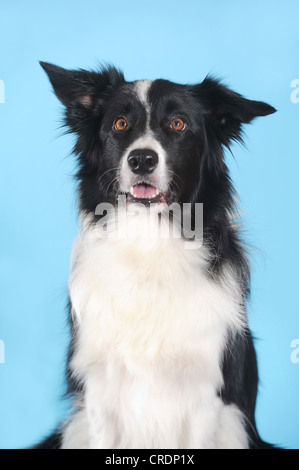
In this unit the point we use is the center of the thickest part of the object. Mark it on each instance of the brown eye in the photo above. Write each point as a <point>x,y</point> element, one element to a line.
<point>121,124</point>
<point>178,124</point>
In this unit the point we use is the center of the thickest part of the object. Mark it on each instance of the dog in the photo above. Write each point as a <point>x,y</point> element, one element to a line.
<point>161,355</point>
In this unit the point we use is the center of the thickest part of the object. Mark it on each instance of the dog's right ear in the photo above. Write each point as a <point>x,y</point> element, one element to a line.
<point>81,91</point>
<point>227,111</point>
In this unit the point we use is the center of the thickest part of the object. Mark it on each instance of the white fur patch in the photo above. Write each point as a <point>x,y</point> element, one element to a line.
<point>142,87</point>
<point>152,327</point>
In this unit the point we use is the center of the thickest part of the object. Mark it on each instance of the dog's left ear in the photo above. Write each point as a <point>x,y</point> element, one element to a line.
<point>82,91</point>
<point>226,110</point>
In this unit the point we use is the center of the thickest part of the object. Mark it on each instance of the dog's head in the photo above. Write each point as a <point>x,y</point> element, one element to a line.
<point>154,141</point>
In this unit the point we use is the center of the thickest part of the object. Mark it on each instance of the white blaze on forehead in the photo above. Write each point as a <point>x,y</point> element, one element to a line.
<point>142,87</point>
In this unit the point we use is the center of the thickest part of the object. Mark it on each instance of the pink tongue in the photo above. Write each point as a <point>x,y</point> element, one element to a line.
<point>142,191</point>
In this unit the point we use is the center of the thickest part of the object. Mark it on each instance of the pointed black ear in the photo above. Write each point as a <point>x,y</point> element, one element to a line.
<point>226,110</point>
<point>82,89</point>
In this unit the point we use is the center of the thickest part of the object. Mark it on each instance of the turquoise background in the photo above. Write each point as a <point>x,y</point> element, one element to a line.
<point>254,47</point>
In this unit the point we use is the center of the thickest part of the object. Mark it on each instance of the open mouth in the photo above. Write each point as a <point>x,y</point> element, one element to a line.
<point>146,194</point>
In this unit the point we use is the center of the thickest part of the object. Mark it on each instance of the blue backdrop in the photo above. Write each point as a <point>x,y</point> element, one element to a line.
<point>252,45</point>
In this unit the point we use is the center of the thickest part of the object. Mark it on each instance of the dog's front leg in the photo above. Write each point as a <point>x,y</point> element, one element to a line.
<point>100,422</point>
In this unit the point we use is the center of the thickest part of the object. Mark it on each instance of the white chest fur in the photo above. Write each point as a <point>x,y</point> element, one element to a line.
<point>152,326</point>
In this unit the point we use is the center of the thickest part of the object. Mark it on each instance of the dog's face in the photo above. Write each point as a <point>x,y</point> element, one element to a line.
<point>154,141</point>
<point>153,134</point>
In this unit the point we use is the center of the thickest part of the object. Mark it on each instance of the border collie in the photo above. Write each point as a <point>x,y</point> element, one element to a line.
<point>161,355</point>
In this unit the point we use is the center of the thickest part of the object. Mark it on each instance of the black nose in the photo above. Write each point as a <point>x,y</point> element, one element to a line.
<point>143,161</point>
